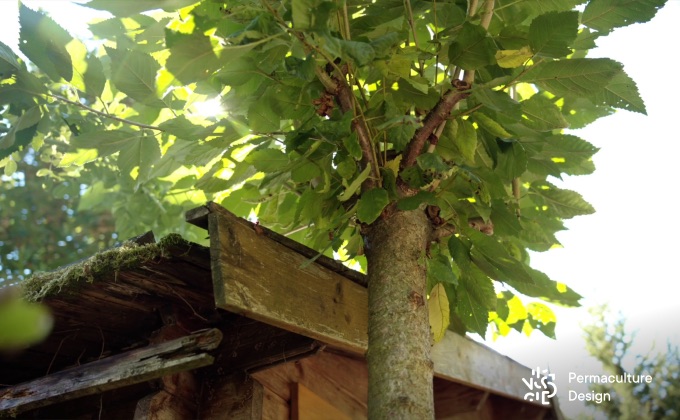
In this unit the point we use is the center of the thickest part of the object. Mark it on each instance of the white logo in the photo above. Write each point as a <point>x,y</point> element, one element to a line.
<point>541,386</point>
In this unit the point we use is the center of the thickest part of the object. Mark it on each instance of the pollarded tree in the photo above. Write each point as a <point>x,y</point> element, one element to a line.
<point>419,134</point>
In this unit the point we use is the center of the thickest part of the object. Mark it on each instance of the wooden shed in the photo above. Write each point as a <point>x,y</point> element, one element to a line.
<point>248,328</point>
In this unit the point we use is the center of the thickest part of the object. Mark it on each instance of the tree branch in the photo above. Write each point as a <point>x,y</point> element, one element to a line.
<point>104,114</point>
<point>434,118</point>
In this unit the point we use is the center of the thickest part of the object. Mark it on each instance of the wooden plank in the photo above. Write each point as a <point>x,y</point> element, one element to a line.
<point>124,369</point>
<point>306,405</point>
<point>199,217</point>
<point>332,377</point>
<point>462,360</point>
<point>264,280</point>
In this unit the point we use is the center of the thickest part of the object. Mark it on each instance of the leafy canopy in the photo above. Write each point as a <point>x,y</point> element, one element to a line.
<point>330,114</point>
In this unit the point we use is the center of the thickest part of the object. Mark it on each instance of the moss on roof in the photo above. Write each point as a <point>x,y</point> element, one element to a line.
<point>127,256</point>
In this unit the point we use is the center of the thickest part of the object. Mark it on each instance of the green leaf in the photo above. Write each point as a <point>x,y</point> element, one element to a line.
<point>460,253</point>
<point>134,73</point>
<point>352,145</point>
<point>382,45</point>
<point>550,35</point>
<point>106,142</point>
<point>262,117</point>
<point>142,153</point>
<point>578,76</point>
<point>541,114</point>
<point>439,312</point>
<point>622,92</point>
<point>44,43</point>
<point>498,101</point>
<point>549,290</point>
<point>542,318</point>
<point>181,127</point>
<point>512,159</point>
<point>268,160</point>
<point>605,15</point>
<point>355,185</point>
<point>475,298</point>
<point>29,119</point>
<point>311,14</point>
<point>471,48</point>
<point>9,63</point>
<point>510,59</point>
<point>439,270</point>
<point>431,161</point>
<point>562,203</point>
<point>129,8</point>
<point>94,77</point>
<point>192,58</point>
<point>359,52</point>
<point>371,205</point>
<point>491,125</point>
<point>460,138</point>
<point>495,260</point>
<point>413,202</point>
<point>567,151</point>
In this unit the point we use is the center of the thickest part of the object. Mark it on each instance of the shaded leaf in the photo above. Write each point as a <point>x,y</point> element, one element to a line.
<point>579,76</point>
<point>541,114</point>
<point>622,92</point>
<point>475,298</point>
<point>371,205</point>
<point>562,203</point>
<point>471,48</point>
<point>605,15</point>
<point>551,34</point>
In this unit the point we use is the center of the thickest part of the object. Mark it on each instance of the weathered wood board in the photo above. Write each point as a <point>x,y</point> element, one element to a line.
<point>256,275</point>
<point>113,372</point>
<point>262,279</point>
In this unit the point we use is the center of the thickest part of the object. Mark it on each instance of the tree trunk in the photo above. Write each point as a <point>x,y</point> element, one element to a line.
<point>399,337</point>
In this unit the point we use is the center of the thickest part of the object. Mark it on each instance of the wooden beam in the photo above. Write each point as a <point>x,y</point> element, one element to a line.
<point>267,281</point>
<point>199,217</point>
<point>462,360</point>
<point>261,278</point>
<point>113,372</point>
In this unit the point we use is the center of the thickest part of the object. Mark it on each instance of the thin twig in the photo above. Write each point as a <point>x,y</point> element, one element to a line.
<point>104,114</point>
<point>487,14</point>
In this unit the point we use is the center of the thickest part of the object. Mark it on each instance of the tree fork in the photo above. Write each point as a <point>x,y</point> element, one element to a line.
<point>399,365</point>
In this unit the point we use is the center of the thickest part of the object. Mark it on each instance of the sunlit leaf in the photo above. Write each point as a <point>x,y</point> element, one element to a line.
<point>44,43</point>
<point>134,73</point>
<point>439,312</point>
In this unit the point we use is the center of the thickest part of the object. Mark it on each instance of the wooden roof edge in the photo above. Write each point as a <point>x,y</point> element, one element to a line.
<point>130,254</point>
<point>461,359</point>
<point>199,217</point>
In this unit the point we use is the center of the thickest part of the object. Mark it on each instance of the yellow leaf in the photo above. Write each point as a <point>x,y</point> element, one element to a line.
<point>393,165</point>
<point>513,58</point>
<point>438,305</point>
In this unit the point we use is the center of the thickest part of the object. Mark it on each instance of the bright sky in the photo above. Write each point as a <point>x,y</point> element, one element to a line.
<point>624,254</point>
